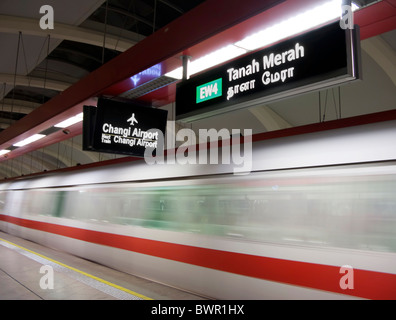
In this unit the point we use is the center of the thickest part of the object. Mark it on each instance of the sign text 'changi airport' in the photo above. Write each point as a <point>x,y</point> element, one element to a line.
<point>124,128</point>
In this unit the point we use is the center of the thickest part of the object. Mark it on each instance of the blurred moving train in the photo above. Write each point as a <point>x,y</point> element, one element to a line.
<point>313,203</point>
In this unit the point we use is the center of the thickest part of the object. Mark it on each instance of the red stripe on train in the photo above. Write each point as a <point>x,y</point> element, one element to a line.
<point>367,284</point>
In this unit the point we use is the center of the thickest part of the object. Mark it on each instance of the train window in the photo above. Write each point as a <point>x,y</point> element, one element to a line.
<point>38,202</point>
<point>310,208</point>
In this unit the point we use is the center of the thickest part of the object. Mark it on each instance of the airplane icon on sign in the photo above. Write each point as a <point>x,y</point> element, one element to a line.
<point>132,120</point>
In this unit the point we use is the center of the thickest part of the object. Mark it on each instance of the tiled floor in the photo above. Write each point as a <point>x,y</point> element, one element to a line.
<point>73,278</point>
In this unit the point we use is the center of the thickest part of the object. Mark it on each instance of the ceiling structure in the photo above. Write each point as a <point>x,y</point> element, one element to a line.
<point>97,46</point>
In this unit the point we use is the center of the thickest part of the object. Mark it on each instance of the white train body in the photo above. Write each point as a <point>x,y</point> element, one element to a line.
<point>312,204</point>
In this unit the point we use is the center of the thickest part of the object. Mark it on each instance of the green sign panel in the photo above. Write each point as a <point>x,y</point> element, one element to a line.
<point>210,90</point>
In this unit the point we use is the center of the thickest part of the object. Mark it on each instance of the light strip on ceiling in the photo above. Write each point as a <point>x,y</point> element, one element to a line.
<point>322,14</point>
<point>3,152</point>
<point>29,140</point>
<point>69,122</point>
<point>208,61</point>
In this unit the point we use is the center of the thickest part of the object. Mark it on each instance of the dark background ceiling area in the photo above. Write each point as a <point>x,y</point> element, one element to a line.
<point>37,65</point>
<point>142,16</point>
<point>57,63</point>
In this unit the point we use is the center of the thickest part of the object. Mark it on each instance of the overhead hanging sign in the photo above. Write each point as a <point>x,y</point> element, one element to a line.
<point>123,128</point>
<point>321,58</point>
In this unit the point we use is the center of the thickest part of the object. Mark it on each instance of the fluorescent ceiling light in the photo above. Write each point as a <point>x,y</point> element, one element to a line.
<point>214,58</point>
<point>176,74</point>
<point>69,122</point>
<point>31,139</point>
<point>3,152</point>
<point>326,12</point>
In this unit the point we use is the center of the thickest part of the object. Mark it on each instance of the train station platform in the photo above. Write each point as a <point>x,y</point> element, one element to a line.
<point>29,271</point>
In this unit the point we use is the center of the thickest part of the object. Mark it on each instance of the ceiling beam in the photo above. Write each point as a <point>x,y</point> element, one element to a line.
<point>21,103</point>
<point>55,159</point>
<point>27,81</point>
<point>129,15</point>
<point>9,107</point>
<point>79,54</point>
<point>69,63</point>
<point>5,125</point>
<point>269,118</point>
<point>28,164</point>
<point>11,116</point>
<point>8,171</point>
<point>13,24</point>
<point>383,54</point>
<point>77,148</point>
<point>173,6</point>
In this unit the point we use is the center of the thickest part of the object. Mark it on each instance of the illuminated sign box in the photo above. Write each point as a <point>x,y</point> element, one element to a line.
<point>123,128</point>
<point>318,59</point>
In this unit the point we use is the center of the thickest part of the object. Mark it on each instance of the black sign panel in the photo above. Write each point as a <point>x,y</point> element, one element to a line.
<point>123,128</point>
<point>317,59</point>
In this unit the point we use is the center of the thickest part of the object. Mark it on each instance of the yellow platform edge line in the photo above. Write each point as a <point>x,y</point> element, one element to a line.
<point>81,272</point>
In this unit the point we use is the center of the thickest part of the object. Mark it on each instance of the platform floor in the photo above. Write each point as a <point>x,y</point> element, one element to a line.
<point>29,271</point>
